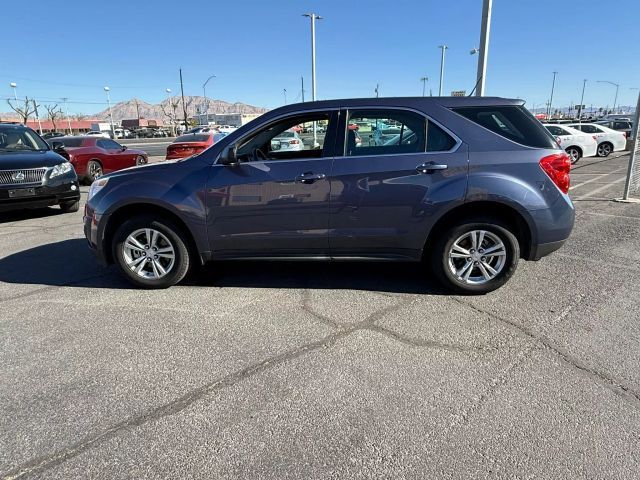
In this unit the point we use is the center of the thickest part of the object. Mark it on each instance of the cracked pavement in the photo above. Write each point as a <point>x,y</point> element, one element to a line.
<point>323,371</point>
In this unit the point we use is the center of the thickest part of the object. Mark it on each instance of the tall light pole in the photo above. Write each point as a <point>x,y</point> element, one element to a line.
<point>443,47</point>
<point>313,17</point>
<point>424,81</point>
<point>171,120</point>
<point>206,100</point>
<point>617,85</point>
<point>14,85</point>
<point>584,83</point>
<point>553,85</point>
<point>483,51</point>
<point>66,108</point>
<point>107,90</point>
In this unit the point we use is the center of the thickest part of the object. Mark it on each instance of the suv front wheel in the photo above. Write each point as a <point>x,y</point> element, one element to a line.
<point>151,252</point>
<point>476,256</point>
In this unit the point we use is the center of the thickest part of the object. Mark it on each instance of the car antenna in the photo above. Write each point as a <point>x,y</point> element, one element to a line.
<point>475,86</point>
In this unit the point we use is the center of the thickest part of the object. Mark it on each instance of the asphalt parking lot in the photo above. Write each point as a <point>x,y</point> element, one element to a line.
<point>324,371</point>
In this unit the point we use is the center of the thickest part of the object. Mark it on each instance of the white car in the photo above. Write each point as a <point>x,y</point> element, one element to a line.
<point>608,140</point>
<point>95,133</point>
<point>576,143</point>
<point>287,141</point>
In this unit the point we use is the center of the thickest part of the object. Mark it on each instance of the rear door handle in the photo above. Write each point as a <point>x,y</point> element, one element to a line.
<point>431,167</point>
<point>310,177</point>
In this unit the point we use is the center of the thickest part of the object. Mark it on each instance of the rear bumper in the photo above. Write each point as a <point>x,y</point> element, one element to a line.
<point>45,196</point>
<point>551,227</point>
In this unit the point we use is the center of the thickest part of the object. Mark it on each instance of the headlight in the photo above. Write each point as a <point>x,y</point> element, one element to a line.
<point>96,187</point>
<point>61,169</point>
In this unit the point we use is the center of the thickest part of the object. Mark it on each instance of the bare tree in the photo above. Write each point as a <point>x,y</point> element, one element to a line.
<point>53,114</point>
<point>170,111</point>
<point>79,116</point>
<point>24,111</point>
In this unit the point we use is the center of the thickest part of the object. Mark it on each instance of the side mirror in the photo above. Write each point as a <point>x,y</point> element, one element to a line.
<point>229,156</point>
<point>57,146</point>
<point>124,147</point>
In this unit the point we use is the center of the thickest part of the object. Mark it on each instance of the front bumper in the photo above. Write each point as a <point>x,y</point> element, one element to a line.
<point>91,225</point>
<point>44,195</point>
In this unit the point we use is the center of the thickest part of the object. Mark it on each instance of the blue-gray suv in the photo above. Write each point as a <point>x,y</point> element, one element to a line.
<point>466,185</point>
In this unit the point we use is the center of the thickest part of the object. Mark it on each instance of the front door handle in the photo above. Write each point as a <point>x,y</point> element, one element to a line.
<point>431,167</point>
<point>310,177</point>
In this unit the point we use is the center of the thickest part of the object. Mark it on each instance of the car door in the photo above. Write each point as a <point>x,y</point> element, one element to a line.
<point>274,201</point>
<point>390,180</point>
<point>122,158</point>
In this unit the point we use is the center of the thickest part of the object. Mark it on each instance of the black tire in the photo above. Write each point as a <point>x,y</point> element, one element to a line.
<point>605,149</point>
<point>94,171</point>
<point>175,237</point>
<point>140,160</point>
<point>575,154</point>
<point>70,207</point>
<point>442,246</point>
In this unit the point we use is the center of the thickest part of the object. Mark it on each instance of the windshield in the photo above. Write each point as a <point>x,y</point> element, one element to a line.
<point>20,139</point>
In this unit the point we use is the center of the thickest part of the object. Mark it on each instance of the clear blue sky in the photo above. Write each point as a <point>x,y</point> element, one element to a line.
<point>257,48</point>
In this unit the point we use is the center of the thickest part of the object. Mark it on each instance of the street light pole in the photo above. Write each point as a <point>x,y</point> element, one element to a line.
<point>14,85</point>
<point>443,47</point>
<point>553,85</point>
<point>484,47</point>
<point>206,100</point>
<point>107,90</point>
<point>617,85</point>
<point>584,83</point>
<point>424,81</point>
<point>66,108</point>
<point>171,120</point>
<point>313,17</point>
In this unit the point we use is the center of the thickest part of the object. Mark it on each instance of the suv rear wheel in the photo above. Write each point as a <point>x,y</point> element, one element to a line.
<point>475,256</point>
<point>151,252</point>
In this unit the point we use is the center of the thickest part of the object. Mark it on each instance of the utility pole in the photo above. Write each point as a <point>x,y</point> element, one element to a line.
<point>66,109</point>
<point>584,83</point>
<point>377,90</point>
<point>484,47</point>
<point>184,106</point>
<point>106,90</point>
<point>617,85</point>
<point>35,108</point>
<point>284,91</point>
<point>424,81</point>
<point>206,100</point>
<point>302,81</point>
<point>313,17</point>
<point>553,84</point>
<point>443,47</point>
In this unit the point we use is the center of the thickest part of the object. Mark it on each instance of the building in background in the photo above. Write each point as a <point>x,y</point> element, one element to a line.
<point>233,119</point>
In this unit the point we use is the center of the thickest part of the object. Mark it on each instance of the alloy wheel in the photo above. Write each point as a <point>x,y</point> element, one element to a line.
<point>604,149</point>
<point>477,257</point>
<point>95,170</point>
<point>574,154</point>
<point>149,253</point>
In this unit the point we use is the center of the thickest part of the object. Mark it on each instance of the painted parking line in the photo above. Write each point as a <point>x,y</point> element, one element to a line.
<point>597,178</point>
<point>600,189</point>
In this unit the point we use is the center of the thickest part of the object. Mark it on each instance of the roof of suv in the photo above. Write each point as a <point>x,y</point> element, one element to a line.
<point>447,102</point>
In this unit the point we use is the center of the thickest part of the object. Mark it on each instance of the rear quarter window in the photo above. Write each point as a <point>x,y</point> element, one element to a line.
<point>512,122</point>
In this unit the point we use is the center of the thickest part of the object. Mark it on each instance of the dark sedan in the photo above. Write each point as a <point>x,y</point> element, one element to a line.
<point>32,175</point>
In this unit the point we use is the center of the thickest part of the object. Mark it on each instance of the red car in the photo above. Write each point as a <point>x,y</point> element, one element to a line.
<point>192,144</point>
<point>94,156</point>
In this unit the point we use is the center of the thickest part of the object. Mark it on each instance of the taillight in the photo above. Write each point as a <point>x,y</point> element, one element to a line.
<point>558,167</point>
<point>293,142</point>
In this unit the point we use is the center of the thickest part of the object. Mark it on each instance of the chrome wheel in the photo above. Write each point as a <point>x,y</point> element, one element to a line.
<point>574,154</point>
<point>148,253</point>
<point>477,257</point>
<point>95,170</point>
<point>604,149</point>
<point>140,160</point>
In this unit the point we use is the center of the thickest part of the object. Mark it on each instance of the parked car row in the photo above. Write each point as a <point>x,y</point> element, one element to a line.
<point>587,139</point>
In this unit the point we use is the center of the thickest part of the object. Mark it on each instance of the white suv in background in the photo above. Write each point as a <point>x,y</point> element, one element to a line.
<point>608,140</point>
<point>576,143</point>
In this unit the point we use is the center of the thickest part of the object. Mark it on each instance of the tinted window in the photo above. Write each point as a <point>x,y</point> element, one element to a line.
<point>193,137</point>
<point>438,140</point>
<point>14,139</point>
<point>553,130</point>
<point>384,132</point>
<point>590,129</point>
<point>512,122</point>
<point>68,142</point>
<point>621,125</point>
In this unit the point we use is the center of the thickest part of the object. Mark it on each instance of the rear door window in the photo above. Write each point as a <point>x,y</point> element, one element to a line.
<point>438,140</point>
<point>513,122</point>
